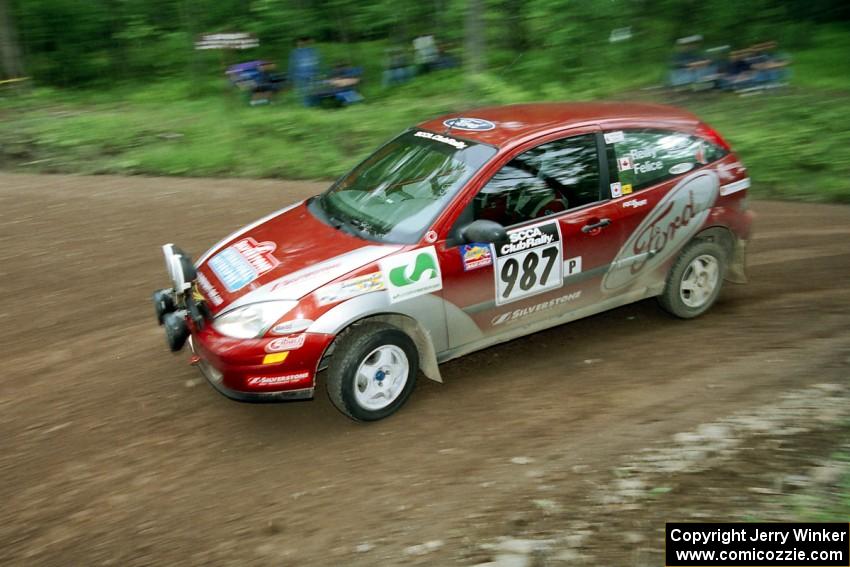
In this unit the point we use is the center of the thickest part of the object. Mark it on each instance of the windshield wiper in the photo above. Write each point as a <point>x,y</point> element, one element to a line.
<point>335,221</point>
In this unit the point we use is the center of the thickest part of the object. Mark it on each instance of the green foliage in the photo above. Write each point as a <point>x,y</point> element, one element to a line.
<point>144,102</point>
<point>72,43</point>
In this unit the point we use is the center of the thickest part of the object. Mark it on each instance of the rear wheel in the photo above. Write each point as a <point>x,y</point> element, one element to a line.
<point>373,371</point>
<point>695,280</point>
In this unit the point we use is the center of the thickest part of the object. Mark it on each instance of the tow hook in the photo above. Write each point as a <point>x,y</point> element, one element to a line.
<point>194,360</point>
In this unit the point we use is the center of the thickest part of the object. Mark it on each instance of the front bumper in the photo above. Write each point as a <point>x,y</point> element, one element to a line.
<point>237,370</point>
<point>215,379</point>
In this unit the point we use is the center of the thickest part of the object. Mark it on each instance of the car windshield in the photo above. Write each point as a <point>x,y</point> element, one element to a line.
<point>397,192</point>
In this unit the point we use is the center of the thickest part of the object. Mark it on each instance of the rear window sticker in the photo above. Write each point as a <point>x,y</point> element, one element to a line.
<point>616,190</point>
<point>614,137</point>
<point>681,168</point>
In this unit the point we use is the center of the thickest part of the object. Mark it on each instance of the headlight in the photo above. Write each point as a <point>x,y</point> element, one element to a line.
<point>253,320</point>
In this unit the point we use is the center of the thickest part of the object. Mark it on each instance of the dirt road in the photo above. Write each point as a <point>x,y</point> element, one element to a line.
<point>113,451</point>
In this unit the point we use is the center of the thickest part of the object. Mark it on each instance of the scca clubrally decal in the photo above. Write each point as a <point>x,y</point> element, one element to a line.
<point>528,262</point>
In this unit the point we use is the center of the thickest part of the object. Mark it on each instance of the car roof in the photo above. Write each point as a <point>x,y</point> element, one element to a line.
<point>517,122</point>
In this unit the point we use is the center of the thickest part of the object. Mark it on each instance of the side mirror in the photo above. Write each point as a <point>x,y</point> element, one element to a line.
<point>483,230</point>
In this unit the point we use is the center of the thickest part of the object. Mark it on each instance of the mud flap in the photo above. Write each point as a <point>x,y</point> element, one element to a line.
<point>737,271</point>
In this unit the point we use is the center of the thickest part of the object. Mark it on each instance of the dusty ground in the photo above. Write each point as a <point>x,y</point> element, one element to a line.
<point>113,452</point>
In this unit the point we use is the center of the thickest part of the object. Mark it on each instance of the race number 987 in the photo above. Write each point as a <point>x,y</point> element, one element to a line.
<point>529,264</point>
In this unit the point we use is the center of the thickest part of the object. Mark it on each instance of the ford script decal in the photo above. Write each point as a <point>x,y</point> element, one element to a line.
<point>667,227</point>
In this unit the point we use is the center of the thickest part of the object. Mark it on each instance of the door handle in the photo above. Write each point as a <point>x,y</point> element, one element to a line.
<point>599,224</point>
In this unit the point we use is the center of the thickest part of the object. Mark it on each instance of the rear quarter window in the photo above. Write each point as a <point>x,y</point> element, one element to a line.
<point>647,157</point>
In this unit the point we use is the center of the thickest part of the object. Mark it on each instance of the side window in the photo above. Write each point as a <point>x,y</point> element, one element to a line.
<point>648,157</point>
<point>545,180</point>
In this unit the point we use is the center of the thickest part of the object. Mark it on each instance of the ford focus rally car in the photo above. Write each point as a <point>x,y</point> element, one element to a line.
<point>462,232</point>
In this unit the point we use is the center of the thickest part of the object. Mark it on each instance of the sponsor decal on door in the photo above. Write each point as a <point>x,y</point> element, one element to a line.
<point>528,262</point>
<point>411,274</point>
<point>475,255</point>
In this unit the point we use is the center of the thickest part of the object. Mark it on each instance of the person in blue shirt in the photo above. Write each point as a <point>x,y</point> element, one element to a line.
<point>303,68</point>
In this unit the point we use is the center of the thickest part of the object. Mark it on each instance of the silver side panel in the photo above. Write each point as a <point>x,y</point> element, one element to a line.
<point>522,330</point>
<point>430,314</point>
<point>427,312</point>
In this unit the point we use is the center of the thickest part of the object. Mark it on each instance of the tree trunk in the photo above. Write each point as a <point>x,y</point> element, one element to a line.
<point>516,38</point>
<point>10,53</point>
<point>475,36</point>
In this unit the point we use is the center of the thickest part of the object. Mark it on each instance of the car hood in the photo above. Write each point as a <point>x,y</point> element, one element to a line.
<point>285,255</point>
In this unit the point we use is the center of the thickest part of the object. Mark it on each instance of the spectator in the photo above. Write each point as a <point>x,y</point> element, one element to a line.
<point>303,68</point>
<point>739,73</point>
<point>689,66</point>
<point>445,60</point>
<point>397,68</point>
<point>344,80</point>
<point>425,53</point>
<point>266,83</point>
<point>770,67</point>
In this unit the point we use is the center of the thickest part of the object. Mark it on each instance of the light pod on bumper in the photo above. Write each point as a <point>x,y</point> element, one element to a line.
<point>163,302</point>
<point>176,330</point>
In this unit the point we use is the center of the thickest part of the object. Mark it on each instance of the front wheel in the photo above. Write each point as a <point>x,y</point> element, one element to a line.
<point>373,371</point>
<point>695,280</point>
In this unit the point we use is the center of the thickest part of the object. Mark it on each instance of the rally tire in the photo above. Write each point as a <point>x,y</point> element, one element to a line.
<point>695,279</point>
<point>359,346</point>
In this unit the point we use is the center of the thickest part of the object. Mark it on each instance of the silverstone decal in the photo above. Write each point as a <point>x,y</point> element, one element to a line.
<point>667,227</point>
<point>209,289</point>
<point>411,274</point>
<point>471,124</point>
<point>614,137</point>
<point>336,292</point>
<point>277,380</point>
<point>681,168</point>
<point>286,343</point>
<point>440,138</point>
<point>529,262</point>
<point>475,255</point>
<point>243,262</point>
<point>616,190</point>
<point>544,306</point>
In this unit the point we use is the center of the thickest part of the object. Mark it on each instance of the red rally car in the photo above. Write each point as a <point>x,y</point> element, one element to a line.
<point>463,232</point>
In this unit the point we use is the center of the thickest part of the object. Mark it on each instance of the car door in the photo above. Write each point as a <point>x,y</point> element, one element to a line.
<point>553,200</point>
<point>663,197</point>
